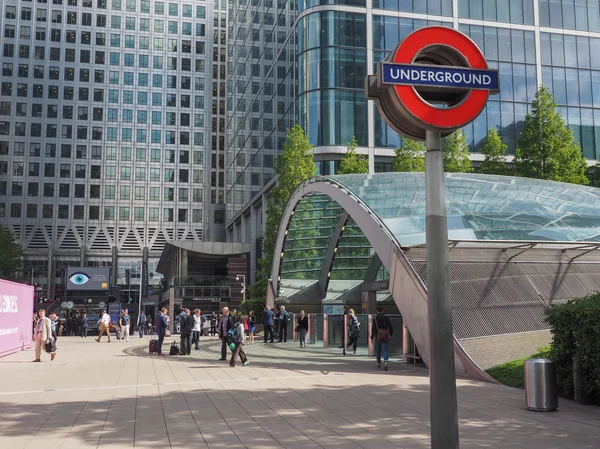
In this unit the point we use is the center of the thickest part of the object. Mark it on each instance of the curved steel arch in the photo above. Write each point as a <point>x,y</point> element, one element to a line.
<point>406,286</point>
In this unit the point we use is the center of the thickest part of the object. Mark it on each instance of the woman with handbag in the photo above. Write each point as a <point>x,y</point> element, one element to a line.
<point>251,327</point>
<point>382,331</point>
<point>302,328</point>
<point>353,331</point>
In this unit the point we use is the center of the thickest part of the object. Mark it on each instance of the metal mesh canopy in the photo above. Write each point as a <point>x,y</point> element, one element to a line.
<point>482,207</point>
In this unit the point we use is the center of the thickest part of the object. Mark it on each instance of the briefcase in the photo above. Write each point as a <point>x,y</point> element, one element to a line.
<point>50,347</point>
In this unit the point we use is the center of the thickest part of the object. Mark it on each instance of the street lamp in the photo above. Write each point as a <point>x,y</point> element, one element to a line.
<point>243,292</point>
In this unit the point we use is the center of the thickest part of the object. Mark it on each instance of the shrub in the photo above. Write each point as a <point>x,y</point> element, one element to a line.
<point>575,328</point>
<point>257,305</point>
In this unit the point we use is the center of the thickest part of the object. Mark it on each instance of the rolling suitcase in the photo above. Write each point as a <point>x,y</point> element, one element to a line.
<point>153,345</point>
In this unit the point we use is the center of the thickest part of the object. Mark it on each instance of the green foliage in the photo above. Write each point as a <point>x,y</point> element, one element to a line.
<point>513,373</point>
<point>352,162</point>
<point>456,153</point>
<point>410,156</point>
<point>293,166</point>
<point>495,155</point>
<point>256,305</point>
<point>576,332</point>
<point>10,262</point>
<point>547,148</point>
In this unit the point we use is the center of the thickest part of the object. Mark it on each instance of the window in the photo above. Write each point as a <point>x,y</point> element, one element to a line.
<point>17,188</point>
<point>94,213</point>
<point>125,173</point>
<point>81,152</point>
<point>80,171</point>
<point>96,153</point>
<point>109,192</point>
<point>155,174</point>
<point>138,214</point>
<point>65,170</point>
<point>130,23</point>
<point>64,190</point>
<point>78,212</point>
<point>140,173</point>
<point>110,172</point>
<point>15,210</point>
<point>48,190</point>
<point>47,211</point>
<point>11,12</point>
<point>109,212</point>
<point>95,171</point>
<point>140,193</point>
<point>95,191</point>
<point>123,213</point>
<point>153,214</point>
<point>79,190</point>
<point>63,212</point>
<point>154,194</point>
<point>197,215</point>
<point>168,214</point>
<point>32,189</point>
<point>124,192</point>
<point>9,31</point>
<point>197,195</point>
<point>182,215</point>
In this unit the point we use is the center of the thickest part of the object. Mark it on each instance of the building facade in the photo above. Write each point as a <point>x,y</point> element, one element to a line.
<point>107,149</point>
<point>307,61</point>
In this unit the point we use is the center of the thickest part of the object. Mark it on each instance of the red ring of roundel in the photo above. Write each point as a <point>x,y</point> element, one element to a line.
<point>451,118</point>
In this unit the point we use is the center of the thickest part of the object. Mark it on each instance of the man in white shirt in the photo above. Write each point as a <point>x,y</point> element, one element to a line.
<point>197,330</point>
<point>104,326</point>
<point>43,334</point>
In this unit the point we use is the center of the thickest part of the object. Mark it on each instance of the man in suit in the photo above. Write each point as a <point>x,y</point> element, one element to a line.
<point>268,323</point>
<point>161,328</point>
<point>225,323</point>
<point>43,334</point>
<point>187,324</point>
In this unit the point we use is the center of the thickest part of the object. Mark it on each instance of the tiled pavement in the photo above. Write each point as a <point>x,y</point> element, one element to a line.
<point>117,395</point>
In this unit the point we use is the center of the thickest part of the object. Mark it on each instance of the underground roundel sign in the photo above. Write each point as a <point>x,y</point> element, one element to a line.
<point>436,79</point>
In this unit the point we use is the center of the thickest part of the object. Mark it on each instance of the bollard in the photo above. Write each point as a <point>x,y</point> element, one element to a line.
<point>308,332</point>
<point>345,333</point>
<point>294,327</point>
<point>370,341</point>
<point>325,331</point>
<point>541,390</point>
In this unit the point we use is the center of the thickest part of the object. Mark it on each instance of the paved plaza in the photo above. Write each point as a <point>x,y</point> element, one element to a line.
<point>117,395</point>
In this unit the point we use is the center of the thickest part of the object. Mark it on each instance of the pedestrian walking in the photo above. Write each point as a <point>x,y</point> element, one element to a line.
<point>186,325</point>
<point>353,330</point>
<point>225,323</point>
<point>83,325</point>
<point>251,327</point>
<point>197,331</point>
<point>268,316</point>
<point>381,332</point>
<point>54,326</point>
<point>124,322</point>
<point>239,345</point>
<point>103,325</point>
<point>141,324</point>
<point>302,328</point>
<point>43,335</point>
<point>161,328</point>
<point>213,324</point>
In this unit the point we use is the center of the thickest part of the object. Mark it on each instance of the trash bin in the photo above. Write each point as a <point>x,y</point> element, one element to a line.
<point>541,390</point>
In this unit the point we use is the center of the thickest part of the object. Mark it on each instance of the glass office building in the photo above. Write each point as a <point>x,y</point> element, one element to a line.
<point>305,63</point>
<point>107,149</point>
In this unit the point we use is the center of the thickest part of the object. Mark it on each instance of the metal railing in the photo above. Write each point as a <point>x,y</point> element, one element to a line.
<point>327,330</point>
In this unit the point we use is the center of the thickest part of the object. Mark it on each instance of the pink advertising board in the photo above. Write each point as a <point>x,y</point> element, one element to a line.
<point>16,312</point>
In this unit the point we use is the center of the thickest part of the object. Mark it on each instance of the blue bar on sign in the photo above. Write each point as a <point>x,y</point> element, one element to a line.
<point>440,76</point>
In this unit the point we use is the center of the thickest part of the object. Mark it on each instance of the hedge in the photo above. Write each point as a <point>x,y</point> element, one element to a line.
<point>575,328</point>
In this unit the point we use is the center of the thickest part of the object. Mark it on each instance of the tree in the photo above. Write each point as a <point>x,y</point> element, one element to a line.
<point>547,148</point>
<point>456,153</point>
<point>352,162</point>
<point>410,156</point>
<point>495,155</point>
<point>292,167</point>
<point>10,262</point>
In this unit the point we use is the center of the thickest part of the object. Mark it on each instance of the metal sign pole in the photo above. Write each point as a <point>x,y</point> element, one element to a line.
<point>442,375</point>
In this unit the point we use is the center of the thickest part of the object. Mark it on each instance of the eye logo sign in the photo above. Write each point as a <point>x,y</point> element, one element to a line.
<point>87,278</point>
<point>79,278</point>
<point>436,79</point>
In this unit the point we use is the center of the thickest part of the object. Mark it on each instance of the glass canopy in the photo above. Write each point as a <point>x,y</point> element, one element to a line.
<point>482,207</point>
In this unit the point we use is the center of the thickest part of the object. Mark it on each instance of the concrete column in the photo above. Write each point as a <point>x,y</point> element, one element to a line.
<point>184,262</point>
<point>50,278</point>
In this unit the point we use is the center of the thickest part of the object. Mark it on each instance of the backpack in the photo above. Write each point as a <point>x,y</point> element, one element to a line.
<point>174,349</point>
<point>231,337</point>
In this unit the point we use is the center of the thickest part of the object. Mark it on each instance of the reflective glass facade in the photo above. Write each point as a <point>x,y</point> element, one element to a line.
<point>334,44</point>
<point>112,124</point>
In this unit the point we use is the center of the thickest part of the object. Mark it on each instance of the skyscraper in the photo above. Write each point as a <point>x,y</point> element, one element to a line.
<point>106,141</point>
<point>305,63</point>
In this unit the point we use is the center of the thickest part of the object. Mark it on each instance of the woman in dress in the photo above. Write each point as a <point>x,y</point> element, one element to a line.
<point>251,327</point>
